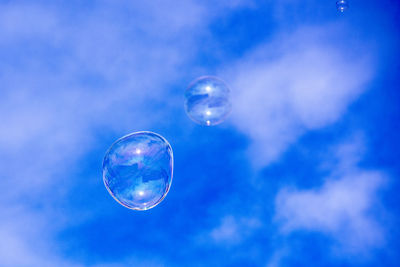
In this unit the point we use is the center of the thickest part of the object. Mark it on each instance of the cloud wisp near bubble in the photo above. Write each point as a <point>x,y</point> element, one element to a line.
<point>298,82</point>
<point>62,80</point>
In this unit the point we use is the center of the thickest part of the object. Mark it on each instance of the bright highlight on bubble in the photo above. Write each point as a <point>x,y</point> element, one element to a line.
<point>137,170</point>
<point>342,5</point>
<point>207,101</point>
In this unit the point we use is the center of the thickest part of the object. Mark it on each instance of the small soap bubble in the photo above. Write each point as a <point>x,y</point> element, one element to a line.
<point>137,170</point>
<point>342,5</point>
<point>207,101</point>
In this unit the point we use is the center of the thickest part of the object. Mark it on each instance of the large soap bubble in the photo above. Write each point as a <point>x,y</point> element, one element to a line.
<point>207,101</point>
<point>342,5</point>
<point>137,170</point>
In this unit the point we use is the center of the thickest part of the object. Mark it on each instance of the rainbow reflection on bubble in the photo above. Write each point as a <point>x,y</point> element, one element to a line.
<point>137,170</point>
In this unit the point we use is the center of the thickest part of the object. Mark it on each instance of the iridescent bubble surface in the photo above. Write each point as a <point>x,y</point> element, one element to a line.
<point>137,170</point>
<point>207,101</point>
<point>342,5</point>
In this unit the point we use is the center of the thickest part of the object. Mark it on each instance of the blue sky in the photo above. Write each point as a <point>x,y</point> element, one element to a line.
<point>303,173</point>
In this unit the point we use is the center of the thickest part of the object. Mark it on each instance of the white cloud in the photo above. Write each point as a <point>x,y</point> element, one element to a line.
<point>339,207</point>
<point>297,82</point>
<point>25,235</point>
<point>276,258</point>
<point>232,230</point>
<point>67,79</point>
<point>343,207</point>
<point>62,80</point>
<point>82,76</point>
<point>23,21</point>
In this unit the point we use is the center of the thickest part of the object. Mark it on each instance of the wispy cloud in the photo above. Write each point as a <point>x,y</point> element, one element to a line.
<point>233,230</point>
<point>299,81</point>
<point>343,207</point>
<point>26,236</point>
<point>64,81</point>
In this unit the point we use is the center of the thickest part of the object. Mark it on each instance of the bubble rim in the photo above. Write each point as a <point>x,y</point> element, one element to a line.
<point>172,168</point>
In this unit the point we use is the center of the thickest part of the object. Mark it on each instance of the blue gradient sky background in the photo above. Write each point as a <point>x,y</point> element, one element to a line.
<point>303,173</point>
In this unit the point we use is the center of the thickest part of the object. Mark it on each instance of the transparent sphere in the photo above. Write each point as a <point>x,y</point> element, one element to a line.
<point>342,5</point>
<point>207,101</point>
<point>137,170</point>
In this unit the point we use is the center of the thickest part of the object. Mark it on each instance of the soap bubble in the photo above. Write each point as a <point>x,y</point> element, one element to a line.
<point>137,170</point>
<point>342,5</point>
<point>207,101</point>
